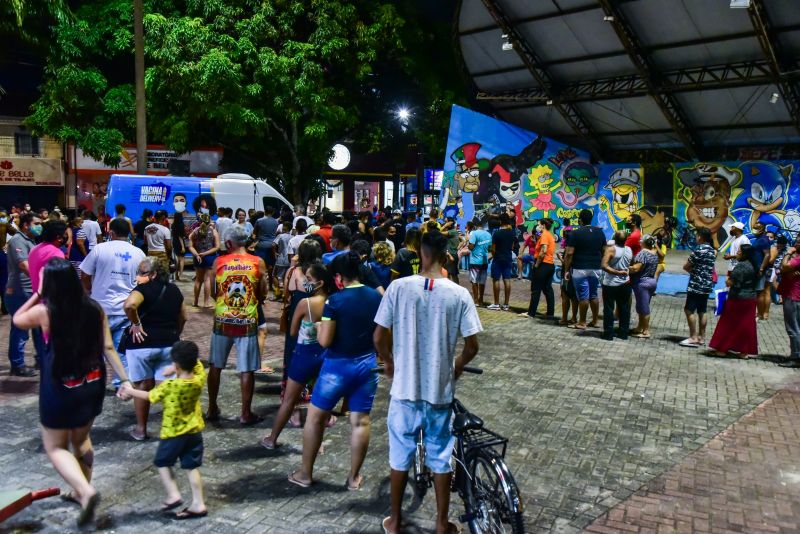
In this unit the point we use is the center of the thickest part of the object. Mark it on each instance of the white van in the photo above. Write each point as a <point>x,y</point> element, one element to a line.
<point>230,190</point>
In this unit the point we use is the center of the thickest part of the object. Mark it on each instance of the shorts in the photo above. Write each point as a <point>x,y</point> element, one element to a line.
<point>187,447</point>
<point>761,283</point>
<point>586,282</point>
<point>262,320</point>
<point>267,254</point>
<point>148,363</point>
<point>248,357</point>
<point>305,363</point>
<point>477,273</point>
<point>696,302</point>
<point>160,254</point>
<point>527,258</point>
<point>351,378</point>
<point>405,419</point>
<point>206,262</point>
<point>501,269</point>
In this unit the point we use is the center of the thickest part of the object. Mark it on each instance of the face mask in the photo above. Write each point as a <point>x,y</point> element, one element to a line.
<point>27,207</point>
<point>204,211</point>
<point>309,287</point>
<point>180,207</point>
<point>36,229</point>
<point>3,220</point>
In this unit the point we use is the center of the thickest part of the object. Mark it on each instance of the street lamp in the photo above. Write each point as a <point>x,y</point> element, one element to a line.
<point>403,115</point>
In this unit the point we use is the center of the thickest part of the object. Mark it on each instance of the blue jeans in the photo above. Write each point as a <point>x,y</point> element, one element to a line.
<point>17,337</point>
<point>117,324</point>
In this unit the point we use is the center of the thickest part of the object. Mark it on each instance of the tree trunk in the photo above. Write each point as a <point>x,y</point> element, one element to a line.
<point>141,118</point>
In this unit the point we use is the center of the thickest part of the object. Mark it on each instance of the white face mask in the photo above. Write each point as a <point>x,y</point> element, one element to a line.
<point>204,210</point>
<point>180,207</point>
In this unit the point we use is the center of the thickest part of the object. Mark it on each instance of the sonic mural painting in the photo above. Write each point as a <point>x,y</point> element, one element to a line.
<point>715,195</point>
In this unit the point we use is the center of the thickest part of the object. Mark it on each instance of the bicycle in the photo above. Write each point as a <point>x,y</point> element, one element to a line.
<point>481,477</point>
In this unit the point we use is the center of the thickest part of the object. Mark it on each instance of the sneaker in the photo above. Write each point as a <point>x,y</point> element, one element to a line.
<point>688,343</point>
<point>505,307</point>
<point>526,315</point>
<point>493,307</point>
<point>23,371</point>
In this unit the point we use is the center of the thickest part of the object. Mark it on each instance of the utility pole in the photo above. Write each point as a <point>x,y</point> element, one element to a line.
<point>141,117</point>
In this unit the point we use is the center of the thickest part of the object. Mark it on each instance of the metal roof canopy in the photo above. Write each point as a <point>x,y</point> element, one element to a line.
<point>609,75</point>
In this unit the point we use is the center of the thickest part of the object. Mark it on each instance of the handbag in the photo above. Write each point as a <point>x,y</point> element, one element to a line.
<point>126,338</point>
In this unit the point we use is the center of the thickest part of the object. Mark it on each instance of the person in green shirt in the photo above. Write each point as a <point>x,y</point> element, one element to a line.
<point>181,427</point>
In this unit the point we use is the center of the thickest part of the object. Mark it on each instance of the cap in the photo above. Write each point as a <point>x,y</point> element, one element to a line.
<point>738,224</point>
<point>397,212</point>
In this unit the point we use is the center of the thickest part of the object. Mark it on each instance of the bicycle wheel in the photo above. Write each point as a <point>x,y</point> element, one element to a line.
<point>493,496</point>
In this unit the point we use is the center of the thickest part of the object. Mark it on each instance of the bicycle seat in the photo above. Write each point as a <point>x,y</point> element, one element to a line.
<point>467,421</point>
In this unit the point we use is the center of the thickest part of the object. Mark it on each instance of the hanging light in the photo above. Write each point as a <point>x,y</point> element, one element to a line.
<point>773,99</point>
<point>740,4</point>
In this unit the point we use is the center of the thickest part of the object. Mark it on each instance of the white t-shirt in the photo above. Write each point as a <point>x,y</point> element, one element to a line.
<point>426,318</point>
<point>92,230</point>
<point>112,266</point>
<point>294,243</point>
<point>156,235</point>
<point>223,223</point>
<point>736,245</point>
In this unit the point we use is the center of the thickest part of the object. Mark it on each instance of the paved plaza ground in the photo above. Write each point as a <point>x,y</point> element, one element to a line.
<point>638,435</point>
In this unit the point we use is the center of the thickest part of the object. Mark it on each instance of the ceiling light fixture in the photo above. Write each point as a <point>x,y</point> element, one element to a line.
<point>507,45</point>
<point>773,99</point>
<point>608,18</point>
<point>740,4</point>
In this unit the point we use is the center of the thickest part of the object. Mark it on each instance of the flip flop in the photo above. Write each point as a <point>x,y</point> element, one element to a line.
<point>188,514</point>
<point>252,421</point>
<point>688,343</point>
<point>70,498</point>
<point>383,524</point>
<point>211,417</point>
<point>331,421</point>
<point>166,507</point>
<point>87,514</point>
<point>266,370</point>
<point>353,488</point>
<point>264,443</point>
<point>575,326</point>
<point>138,437</point>
<point>298,482</point>
<point>642,336</point>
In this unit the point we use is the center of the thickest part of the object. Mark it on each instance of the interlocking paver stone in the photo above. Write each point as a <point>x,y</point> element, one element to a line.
<point>590,423</point>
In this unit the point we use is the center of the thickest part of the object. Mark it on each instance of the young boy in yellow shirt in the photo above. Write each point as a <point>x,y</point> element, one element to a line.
<point>181,436</point>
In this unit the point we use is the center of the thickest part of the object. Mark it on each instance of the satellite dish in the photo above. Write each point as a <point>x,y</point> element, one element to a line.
<point>340,158</point>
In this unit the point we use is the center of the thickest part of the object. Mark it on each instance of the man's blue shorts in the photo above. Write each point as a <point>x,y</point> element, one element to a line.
<point>306,363</point>
<point>405,419</point>
<point>586,282</point>
<point>501,269</point>
<point>345,376</point>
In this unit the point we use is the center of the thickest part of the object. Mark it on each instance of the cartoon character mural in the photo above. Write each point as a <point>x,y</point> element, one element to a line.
<point>531,176</point>
<point>715,195</point>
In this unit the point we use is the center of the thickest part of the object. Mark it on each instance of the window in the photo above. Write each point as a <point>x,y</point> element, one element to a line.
<point>25,144</point>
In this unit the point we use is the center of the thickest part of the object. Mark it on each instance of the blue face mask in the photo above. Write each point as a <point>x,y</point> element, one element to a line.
<point>36,229</point>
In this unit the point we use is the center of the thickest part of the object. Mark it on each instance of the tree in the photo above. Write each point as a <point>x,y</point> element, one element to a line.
<point>276,83</point>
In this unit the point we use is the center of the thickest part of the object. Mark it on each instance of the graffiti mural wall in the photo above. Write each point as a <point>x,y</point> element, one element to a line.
<point>491,164</point>
<point>715,195</point>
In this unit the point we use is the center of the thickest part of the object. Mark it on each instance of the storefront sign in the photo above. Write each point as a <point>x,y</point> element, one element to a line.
<point>31,172</point>
<point>201,161</point>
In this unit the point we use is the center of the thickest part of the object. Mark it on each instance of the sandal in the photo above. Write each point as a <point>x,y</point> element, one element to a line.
<point>70,497</point>
<point>137,436</point>
<point>167,506</point>
<point>254,420</point>
<point>188,514</point>
<point>266,370</point>
<point>267,445</point>
<point>297,482</point>
<point>689,343</point>
<point>212,417</point>
<point>331,421</point>
<point>354,487</point>
<point>87,514</point>
<point>641,336</point>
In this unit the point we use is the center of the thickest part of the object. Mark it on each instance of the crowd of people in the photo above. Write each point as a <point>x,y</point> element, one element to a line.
<point>354,291</point>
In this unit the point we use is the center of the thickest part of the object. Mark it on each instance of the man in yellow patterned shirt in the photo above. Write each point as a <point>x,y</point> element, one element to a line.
<point>240,289</point>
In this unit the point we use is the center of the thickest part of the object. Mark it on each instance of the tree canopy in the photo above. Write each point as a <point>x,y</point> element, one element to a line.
<point>276,83</point>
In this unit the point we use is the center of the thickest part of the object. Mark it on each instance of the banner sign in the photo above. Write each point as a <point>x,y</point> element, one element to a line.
<point>31,172</point>
<point>714,195</point>
<point>492,165</point>
<point>202,161</point>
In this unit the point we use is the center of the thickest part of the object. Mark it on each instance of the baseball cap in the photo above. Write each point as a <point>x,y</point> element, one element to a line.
<point>397,212</point>
<point>738,224</point>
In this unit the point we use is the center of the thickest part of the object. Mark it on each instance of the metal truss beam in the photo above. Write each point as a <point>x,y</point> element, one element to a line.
<point>667,103</point>
<point>571,114</point>
<point>701,78</point>
<point>778,61</point>
<point>717,127</point>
